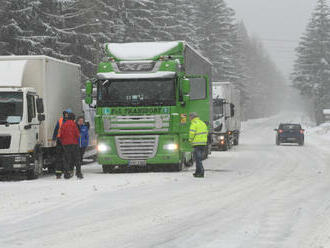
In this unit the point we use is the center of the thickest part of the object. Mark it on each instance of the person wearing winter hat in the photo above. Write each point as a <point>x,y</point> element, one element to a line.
<point>69,137</point>
<point>59,163</point>
<point>84,136</point>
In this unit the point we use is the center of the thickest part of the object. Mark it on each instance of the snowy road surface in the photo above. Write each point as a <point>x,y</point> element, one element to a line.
<point>257,195</point>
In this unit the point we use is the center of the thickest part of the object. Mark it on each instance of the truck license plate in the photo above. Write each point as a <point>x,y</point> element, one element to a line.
<point>137,163</point>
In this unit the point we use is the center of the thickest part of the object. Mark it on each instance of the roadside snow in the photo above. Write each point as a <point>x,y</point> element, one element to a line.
<point>257,195</point>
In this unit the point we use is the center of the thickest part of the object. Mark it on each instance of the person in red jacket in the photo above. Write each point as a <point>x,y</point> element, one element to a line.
<point>70,140</point>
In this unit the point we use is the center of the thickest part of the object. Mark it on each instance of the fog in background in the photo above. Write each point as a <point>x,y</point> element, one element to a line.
<point>278,23</point>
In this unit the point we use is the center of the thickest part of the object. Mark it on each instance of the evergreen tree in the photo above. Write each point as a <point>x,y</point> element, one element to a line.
<point>138,20</point>
<point>215,23</point>
<point>16,32</point>
<point>312,70</point>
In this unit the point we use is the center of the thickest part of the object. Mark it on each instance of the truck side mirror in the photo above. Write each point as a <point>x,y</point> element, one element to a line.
<point>40,106</point>
<point>186,98</point>
<point>185,86</point>
<point>89,93</point>
<point>41,117</point>
<point>232,110</point>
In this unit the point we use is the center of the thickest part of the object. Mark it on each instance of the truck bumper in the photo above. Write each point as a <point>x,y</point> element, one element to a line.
<point>163,156</point>
<point>16,162</point>
<point>220,142</point>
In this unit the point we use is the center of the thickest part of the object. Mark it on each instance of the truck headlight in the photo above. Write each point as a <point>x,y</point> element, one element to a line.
<point>103,148</point>
<point>171,147</point>
<point>220,138</point>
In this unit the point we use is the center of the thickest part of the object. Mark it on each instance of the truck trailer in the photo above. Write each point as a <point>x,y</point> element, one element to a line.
<point>226,116</point>
<point>145,92</point>
<point>34,91</point>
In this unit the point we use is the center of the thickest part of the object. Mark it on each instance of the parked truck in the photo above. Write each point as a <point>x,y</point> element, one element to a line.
<point>226,116</point>
<point>145,92</point>
<point>34,91</point>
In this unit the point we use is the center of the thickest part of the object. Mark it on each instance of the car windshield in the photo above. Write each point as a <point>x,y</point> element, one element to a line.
<point>11,107</point>
<point>136,92</point>
<point>290,127</point>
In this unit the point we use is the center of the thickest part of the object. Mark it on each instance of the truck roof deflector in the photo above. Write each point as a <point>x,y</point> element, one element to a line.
<point>112,75</point>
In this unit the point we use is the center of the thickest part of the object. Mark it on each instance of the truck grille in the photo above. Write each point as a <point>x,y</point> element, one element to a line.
<point>159,123</point>
<point>137,147</point>
<point>5,142</point>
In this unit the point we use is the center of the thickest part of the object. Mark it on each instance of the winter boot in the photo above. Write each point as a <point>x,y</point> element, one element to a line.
<point>199,175</point>
<point>80,175</point>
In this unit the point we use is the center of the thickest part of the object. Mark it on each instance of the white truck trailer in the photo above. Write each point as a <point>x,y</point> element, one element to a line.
<point>34,91</point>
<point>226,116</point>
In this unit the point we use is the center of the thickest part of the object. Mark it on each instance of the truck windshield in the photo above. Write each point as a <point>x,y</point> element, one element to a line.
<point>218,111</point>
<point>11,107</point>
<point>136,92</point>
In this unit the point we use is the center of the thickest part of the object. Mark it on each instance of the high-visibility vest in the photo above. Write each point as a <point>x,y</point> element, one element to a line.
<point>198,132</point>
<point>60,123</point>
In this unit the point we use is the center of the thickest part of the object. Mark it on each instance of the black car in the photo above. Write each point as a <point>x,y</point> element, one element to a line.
<point>290,133</point>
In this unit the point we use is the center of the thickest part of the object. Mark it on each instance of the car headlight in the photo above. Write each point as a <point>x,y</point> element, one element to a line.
<point>103,148</point>
<point>171,147</point>
<point>220,138</point>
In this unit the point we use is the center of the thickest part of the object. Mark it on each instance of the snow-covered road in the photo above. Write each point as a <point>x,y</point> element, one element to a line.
<point>256,195</point>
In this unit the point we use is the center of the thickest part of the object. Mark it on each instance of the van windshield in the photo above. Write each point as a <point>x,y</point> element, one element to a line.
<point>11,107</point>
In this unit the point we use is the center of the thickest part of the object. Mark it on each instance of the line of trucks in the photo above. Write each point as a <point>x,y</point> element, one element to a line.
<point>138,106</point>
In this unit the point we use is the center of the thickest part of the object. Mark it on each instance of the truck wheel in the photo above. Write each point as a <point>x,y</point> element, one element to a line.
<point>189,163</point>
<point>37,167</point>
<point>236,140</point>
<point>177,167</point>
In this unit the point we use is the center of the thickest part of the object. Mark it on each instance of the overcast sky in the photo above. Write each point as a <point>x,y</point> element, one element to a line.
<point>278,23</point>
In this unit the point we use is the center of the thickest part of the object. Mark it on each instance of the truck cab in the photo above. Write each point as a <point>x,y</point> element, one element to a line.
<point>19,130</point>
<point>145,92</point>
<point>226,116</point>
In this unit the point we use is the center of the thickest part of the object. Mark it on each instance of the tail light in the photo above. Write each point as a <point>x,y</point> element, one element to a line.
<point>280,131</point>
<point>302,131</point>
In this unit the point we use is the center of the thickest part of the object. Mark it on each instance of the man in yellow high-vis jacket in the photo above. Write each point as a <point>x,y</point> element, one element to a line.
<point>198,134</point>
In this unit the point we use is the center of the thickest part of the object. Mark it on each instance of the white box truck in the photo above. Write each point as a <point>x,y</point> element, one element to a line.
<point>226,116</point>
<point>34,91</point>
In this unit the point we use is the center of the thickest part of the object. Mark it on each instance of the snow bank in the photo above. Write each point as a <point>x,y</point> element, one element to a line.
<point>323,129</point>
<point>140,50</point>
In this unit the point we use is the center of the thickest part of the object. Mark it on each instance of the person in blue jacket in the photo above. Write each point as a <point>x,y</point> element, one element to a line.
<point>84,136</point>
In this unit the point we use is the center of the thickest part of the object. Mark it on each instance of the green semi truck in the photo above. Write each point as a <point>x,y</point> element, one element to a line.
<point>144,94</point>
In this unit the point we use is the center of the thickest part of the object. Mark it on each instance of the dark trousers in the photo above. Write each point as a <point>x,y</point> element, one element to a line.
<point>82,152</point>
<point>72,158</point>
<point>198,154</point>
<point>59,163</point>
